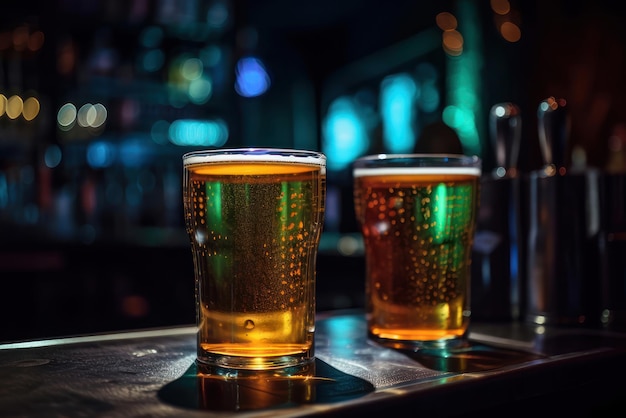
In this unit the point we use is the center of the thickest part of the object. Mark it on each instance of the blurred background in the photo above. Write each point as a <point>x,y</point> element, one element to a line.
<point>100,99</point>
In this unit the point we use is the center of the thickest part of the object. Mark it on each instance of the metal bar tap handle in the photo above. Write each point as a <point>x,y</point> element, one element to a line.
<point>554,125</point>
<point>505,124</point>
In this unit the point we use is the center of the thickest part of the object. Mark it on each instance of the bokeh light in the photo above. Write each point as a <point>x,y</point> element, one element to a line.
<point>251,77</point>
<point>15,105</point>
<point>3,104</point>
<point>501,7</point>
<point>510,31</point>
<point>452,42</point>
<point>31,108</point>
<point>66,116</point>
<point>398,94</point>
<point>446,21</point>
<point>189,132</point>
<point>100,154</point>
<point>52,156</point>
<point>344,134</point>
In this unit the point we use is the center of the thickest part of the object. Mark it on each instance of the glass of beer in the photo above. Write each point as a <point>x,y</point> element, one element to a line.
<point>254,218</point>
<point>417,216</point>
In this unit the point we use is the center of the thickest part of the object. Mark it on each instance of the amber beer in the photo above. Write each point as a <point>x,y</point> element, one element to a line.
<point>254,218</point>
<point>417,218</point>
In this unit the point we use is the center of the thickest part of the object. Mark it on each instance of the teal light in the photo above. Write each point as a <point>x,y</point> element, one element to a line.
<point>341,332</point>
<point>463,121</point>
<point>53,156</point>
<point>151,36</point>
<point>152,60</point>
<point>463,79</point>
<point>4,191</point>
<point>344,134</point>
<point>198,132</point>
<point>429,98</point>
<point>397,99</point>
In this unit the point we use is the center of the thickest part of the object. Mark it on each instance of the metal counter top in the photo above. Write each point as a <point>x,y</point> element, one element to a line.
<point>151,373</point>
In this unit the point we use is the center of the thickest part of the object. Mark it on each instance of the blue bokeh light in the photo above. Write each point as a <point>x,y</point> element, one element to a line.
<point>52,156</point>
<point>251,77</point>
<point>100,154</point>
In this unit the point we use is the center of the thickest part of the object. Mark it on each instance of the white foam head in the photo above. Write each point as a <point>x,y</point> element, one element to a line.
<point>257,155</point>
<point>390,171</point>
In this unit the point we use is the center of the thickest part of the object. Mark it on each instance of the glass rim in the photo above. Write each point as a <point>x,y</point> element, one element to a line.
<point>260,154</point>
<point>382,157</point>
<point>417,163</point>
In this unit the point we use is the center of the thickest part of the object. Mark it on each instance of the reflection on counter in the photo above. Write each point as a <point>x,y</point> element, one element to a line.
<point>321,384</point>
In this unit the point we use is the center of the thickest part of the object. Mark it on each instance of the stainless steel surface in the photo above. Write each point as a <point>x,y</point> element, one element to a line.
<point>497,254</point>
<point>554,125</point>
<point>614,292</point>
<point>152,373</point>
<point>505,127</point>
<point>565,251</point>
<point>565,237</point>
<point>497,270</point>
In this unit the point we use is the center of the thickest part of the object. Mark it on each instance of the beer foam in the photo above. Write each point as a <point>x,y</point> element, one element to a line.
<point>391,171</point>
<point>191,159</point>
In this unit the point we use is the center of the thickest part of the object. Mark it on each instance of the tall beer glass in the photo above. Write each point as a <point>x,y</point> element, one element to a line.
<point>417,215</point>
<point>254,218</point>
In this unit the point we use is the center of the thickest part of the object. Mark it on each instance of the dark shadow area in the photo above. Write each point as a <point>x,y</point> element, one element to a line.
<point>62,290</point>
<point>577,339</point>
<point>470,357</point>
<point>322,384</point>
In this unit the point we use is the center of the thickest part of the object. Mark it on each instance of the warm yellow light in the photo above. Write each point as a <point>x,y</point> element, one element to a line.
<point>500,7</point>
<point>510,32</point>
<point>453,42</point>
<point>3,104</point>
<point>15,104</point>
<point>31,108</point>
<point>446,21</point>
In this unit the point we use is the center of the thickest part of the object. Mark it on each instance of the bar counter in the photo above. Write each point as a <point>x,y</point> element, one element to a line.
<point>509,369</point>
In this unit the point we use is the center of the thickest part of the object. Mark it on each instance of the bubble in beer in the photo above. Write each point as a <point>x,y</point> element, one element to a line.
<point>249,324</point>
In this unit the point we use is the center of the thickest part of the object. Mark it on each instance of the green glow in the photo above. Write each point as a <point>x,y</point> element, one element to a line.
<point>214,205</point>
<point>441,214</point>
<point>214,197</point>
<point>284,210</point>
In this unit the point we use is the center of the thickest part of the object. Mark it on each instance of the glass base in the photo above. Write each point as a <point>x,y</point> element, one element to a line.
<point>229,366</point>
<point>413,345</point>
